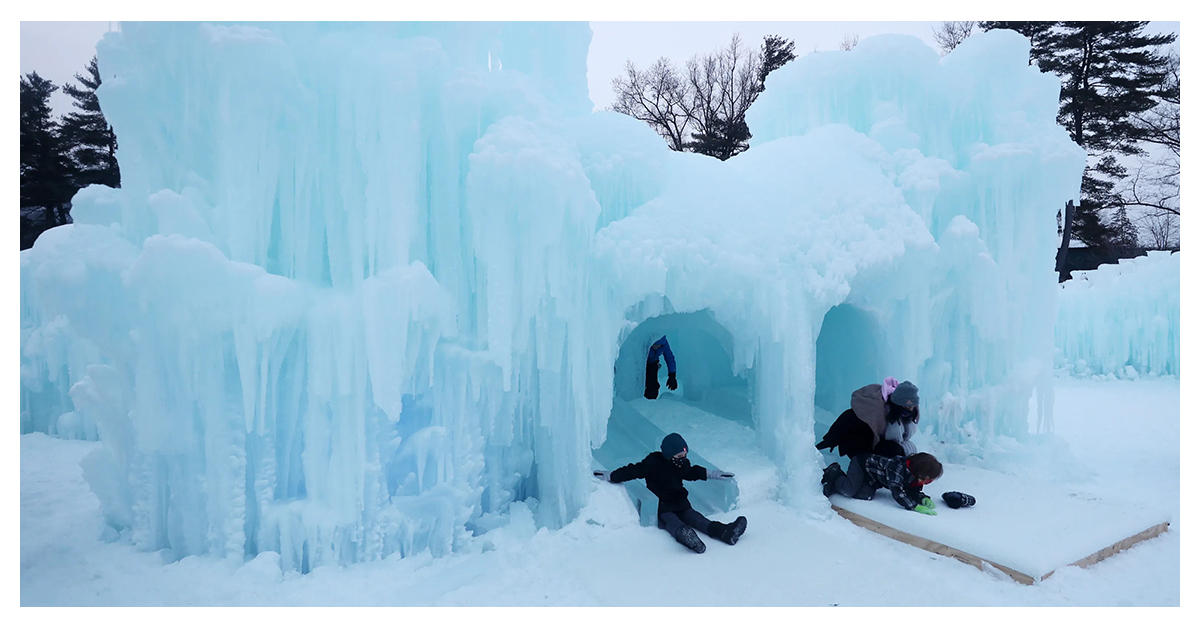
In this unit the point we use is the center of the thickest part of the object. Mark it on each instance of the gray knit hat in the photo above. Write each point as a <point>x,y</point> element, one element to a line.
<point>905,395</point>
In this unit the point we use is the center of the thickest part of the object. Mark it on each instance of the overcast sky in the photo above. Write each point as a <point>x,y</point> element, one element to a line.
<point>59,50</point>
<point>645,42</point>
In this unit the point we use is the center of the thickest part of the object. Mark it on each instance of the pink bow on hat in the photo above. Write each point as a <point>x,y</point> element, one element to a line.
<point>889,386</point>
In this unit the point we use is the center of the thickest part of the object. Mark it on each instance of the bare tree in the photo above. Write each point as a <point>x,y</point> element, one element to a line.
<point>659,96</point>
<point>1160,125</point>
<point>702,109</point>
<point>1155,184</point>
<point>1153,188</point>
<point>949,35</point>
<point>1160,231</point>
<point>724,84</point>
<point>849,41</point>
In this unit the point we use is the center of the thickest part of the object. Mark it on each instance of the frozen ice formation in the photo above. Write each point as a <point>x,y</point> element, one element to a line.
<point>1121,319</point>
<point>367,285</point>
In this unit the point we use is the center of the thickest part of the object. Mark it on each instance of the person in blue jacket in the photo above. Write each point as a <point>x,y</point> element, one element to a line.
<point>659,348</point>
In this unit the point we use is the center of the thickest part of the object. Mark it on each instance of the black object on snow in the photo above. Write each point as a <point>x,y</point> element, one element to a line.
<point>955,499</point>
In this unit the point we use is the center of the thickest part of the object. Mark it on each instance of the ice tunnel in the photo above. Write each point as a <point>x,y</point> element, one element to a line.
<point>849,352</point>
<point>847,358</point>
<point>699,342</point>
<point>709,397</point>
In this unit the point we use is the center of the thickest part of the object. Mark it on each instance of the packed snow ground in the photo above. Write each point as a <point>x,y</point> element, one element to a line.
<point>1125,432</point>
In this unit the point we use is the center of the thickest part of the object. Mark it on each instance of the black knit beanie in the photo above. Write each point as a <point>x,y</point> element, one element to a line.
<point>672,444</point>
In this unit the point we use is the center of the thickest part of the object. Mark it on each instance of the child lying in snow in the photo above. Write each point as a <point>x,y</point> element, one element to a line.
<point>664,472</point>
<point>869,472</point>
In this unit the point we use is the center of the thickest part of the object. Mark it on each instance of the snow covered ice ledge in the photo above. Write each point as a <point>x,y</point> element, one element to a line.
<point>1121,320</point>
<point>365,291</point>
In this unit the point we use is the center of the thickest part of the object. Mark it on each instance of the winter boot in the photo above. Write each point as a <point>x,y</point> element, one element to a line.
<point>733,531</point>
<point>954,499</point>
<point>829,478</point>
<point>831,472</point>
<point>689,539</point>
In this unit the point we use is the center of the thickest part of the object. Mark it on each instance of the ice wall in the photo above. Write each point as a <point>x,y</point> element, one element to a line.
<point>365,285</point>
<point>1121,320</point>
<point>973,146</point>
<point>300,325</point>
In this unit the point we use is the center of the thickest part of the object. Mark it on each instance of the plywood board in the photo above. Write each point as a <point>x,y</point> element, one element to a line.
<point>1023,529</point>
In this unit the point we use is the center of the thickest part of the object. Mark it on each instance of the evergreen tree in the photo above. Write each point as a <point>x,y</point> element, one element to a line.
<point>90,139</point>
<point>776,51</point>
<point>723,138</point>
<point>1111,74</point>
<point>1038,34</point>
<point>45,168</point>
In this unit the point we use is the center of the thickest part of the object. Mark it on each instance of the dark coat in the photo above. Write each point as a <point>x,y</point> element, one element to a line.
<point>850,435</point>
<point>664,478</point>
<point>861,429</point>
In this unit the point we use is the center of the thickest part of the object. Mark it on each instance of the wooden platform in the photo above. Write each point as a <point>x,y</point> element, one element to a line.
<point>1024,530</point>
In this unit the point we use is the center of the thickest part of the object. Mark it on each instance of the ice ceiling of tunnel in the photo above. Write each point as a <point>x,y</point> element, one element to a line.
<point>359,293</point>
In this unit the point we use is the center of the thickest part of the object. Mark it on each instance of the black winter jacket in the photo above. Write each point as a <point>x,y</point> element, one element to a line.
<point>853,437</point>
<point>850,435</point>
<point>664,478</point>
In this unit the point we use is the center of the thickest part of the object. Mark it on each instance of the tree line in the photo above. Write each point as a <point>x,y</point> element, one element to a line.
<point>701,107</point>
<point>1119,101</point>
<point>61,156</point>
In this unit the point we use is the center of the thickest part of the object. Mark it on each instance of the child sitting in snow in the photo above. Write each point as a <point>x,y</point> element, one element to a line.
<point>664,472</point>
<point>903,476</point>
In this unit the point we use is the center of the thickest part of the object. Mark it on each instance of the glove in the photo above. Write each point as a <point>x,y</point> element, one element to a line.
<point>925,510</point>
<point>671,383</point>
<point>928,503</point>
<point>602,475</point>
<point>717,474</point>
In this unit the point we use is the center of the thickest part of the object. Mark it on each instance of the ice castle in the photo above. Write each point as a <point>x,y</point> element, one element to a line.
<point>367,285</point>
